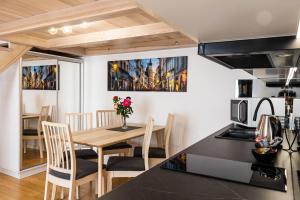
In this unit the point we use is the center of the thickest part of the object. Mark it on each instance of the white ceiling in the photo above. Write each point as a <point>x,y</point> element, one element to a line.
<point>217,20</point>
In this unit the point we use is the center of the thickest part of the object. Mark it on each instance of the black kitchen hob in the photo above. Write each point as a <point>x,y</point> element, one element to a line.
<point>243,172</point>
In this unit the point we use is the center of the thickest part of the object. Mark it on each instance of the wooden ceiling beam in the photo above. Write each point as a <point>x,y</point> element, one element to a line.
<point>7,58</point>
<point>114,34</point>
<point>90,52</point>
<point>4,49</point>
<point>25,39</point>
<point>141,46</point>
<point>79,51</point>
<point>28,40</point>
<point>97,10</point>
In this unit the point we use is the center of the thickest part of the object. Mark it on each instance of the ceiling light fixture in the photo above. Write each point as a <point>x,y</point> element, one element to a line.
<point>84,25</point>
<point>291,75</point>
<point>52,30</point>
<point>67,29</point>
<point>298,32</point>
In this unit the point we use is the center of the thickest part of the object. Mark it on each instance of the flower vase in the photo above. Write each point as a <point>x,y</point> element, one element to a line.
<point>124,126</point>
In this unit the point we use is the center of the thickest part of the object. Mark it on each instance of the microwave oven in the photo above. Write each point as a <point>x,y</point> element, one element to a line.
<point>242,110</point>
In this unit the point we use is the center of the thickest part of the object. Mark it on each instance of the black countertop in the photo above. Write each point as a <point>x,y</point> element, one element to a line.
<point>161,184</point>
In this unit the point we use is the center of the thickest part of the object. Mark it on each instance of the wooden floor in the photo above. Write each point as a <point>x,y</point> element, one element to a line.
<point>32,158</point>
<point>32,188</point>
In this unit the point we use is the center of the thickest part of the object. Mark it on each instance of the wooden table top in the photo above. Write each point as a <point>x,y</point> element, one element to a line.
<point>101,137</point>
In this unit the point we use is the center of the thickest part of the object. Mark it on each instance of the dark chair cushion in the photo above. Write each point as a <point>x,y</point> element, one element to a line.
<point>123,163</point>
<point>154,152</point>
<point>121,145</point>
<point>83,169</point>
<point>86,154</point>
<point>31,132</point>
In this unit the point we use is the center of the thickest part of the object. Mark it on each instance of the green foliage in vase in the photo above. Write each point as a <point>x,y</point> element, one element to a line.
<point>123,106</point>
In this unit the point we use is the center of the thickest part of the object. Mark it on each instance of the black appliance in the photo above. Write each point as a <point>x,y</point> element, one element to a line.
<point>243,172</point>
<point>239,111</point>
<point>272,52</point>
<point>245,88</point>
<point>238,132</point>
<point>287,93</point>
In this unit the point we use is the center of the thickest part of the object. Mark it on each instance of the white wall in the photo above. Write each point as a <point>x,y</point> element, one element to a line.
<point>10,121</point>
<point>200,111</point>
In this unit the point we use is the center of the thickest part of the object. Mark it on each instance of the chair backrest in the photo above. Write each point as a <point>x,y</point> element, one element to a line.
<point>168,130</point>
<point>79,121</point>
<point>52,113</point>
<point>44,114</point>
<point>107,118</point>
<point>146,142</point>
<point>60,149</point>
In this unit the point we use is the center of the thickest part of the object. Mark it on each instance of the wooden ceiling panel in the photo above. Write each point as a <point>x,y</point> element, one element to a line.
<point>175,40</point>
<point>17,9</point>
<point>129,20</point>
<point>114,26</point>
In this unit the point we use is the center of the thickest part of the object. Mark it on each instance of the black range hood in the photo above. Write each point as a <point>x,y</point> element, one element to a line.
<point>275,52</point>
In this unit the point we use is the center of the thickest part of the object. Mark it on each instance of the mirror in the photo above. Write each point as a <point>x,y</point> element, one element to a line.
<point>50,88</point>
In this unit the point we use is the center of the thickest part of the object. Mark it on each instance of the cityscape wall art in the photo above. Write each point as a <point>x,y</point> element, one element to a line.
<point>40,77</point>
<point>152,74</point>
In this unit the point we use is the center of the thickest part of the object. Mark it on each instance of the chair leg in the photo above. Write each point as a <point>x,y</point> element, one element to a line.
<point>71,193</point>
<point>53,191</point>
<point>41,148</point>
<point>109,181</point>
<point>129,153</point>
<point>77,192</point>
<point>46,189</point>
<point>104,186</point>
<point>96,187</point>
<point>62,195</point>
<point>24,146</point>
<point>91,186</point>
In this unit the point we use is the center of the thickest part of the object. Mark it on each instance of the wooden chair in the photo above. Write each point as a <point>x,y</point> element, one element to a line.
<point>79,122</point>
<point>159,154</point>
<point>106,118</point>
<point>51,117</point>
<point>63,168</point>
<point>124,166</point>
<point>36,134</point>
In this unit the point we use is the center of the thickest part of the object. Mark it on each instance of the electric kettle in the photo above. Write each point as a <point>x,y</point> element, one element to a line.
<point>269,127</point>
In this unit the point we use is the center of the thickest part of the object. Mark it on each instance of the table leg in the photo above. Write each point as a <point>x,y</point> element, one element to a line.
<point>100,163</point>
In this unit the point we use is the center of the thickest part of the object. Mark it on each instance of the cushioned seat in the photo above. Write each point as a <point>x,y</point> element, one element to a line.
<point>154,152</point>
<point>31,132</point>
<point>121,145</point>
<point>124,163</point>
<point>83,169</point>
<point>86,154</point>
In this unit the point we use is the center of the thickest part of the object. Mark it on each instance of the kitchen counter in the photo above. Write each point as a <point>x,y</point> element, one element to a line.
<point>161,184</point>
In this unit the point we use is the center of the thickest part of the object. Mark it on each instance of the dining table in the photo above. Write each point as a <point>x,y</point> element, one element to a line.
<point>106,136</point>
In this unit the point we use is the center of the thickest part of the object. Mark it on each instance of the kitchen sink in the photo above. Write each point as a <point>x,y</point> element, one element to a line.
<point>238,133</point>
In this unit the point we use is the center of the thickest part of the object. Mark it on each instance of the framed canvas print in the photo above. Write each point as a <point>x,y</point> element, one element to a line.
<point>43,77</point>
<point>152,74</point>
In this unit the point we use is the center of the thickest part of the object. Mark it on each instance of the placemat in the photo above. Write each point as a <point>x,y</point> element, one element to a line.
<point>129,128</point>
